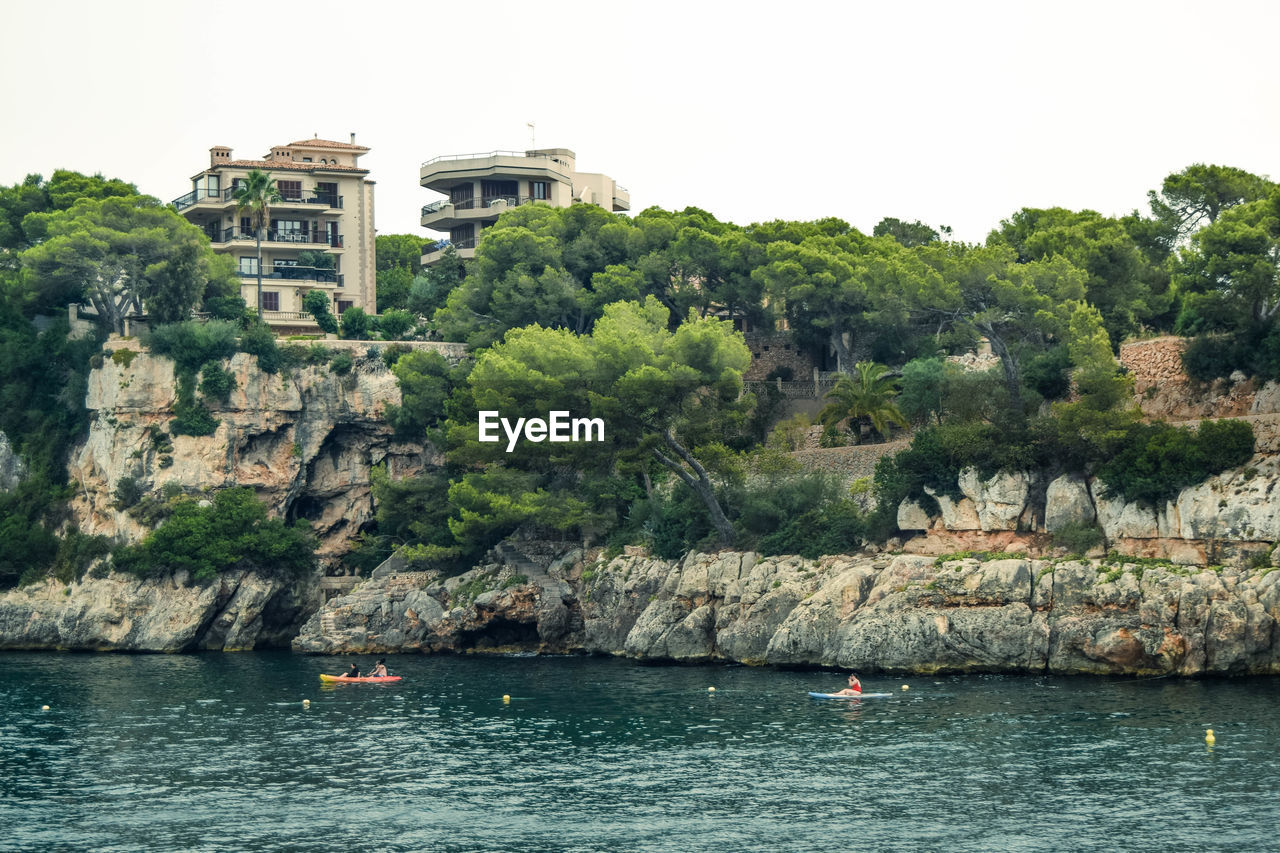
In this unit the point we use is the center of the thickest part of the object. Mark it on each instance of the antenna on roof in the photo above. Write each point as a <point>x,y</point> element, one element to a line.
<point>532,144</point>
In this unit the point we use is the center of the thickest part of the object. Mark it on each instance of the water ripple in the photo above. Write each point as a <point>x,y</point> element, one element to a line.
<point>218,752</point>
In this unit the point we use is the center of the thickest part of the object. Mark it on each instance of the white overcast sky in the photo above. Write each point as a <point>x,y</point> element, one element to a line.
<point>951,113</point>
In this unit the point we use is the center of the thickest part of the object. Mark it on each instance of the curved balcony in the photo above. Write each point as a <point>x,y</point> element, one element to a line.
<point>443,172</point>
<point>433,252</point>
<point>444,214</point>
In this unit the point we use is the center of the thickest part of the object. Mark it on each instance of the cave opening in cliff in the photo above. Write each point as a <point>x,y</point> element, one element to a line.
<point>307,507</point>
<point>499,634</point>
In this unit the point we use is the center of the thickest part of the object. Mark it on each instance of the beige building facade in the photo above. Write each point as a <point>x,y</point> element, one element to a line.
<point>320,235</point>
<point>478,188</point>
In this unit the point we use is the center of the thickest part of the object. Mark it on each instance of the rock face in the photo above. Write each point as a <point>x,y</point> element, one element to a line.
<point>905,613</point>
<point>304,440</point>
<point>242,610</point>
<point>12,470</point>
<point>1231,517</point>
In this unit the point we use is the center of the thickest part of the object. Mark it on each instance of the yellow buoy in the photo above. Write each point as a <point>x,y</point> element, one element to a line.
<point>711,690</point>
<point>306,703</point>
<point>906,687</point>
<point>1208,737</point>
<point>44,707</point>
<point>506,698</point>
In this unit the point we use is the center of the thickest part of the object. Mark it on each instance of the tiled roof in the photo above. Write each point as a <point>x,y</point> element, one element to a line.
<point>325,143</point>
<point>286,165</point>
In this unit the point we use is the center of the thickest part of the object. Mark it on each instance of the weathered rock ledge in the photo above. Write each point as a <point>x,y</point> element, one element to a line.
<point>305,441</point>
<point>242,610</point>
<point>902,613</point>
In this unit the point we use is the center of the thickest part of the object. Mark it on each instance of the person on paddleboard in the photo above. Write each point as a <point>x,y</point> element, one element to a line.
<point>380,669</point>
<point>854,688</point>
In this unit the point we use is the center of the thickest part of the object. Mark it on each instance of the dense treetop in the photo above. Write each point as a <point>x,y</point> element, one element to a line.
<point>637,320</point>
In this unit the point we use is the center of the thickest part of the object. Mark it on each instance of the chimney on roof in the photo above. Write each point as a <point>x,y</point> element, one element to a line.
<point>219,155</point>
<point>353,139</point>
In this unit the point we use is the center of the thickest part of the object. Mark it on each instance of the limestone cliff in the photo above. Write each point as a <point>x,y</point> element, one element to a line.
<point>904,613</point>
<point>305,440</point>
<point>12,468</point>
<point>242,610</point>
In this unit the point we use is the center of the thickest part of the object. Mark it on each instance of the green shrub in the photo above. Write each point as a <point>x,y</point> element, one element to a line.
<point>355,324</point>
<point>1153,462</point>
<point>75,552</point>
<point>189,416</point>
<point>1077,537</point>
<point>392,354</point>
<point>1049,373</point>
<point>319,354</point>
<point>394,323</point>
<point>208,540</point>
<point>123,357</point>
<point>292,356</point>
<point>128,491</point>
<point>232,308</point>
<point>515,580</point>
<point>317,303</point>
<point>192,343</point>
<point>259,340</point>
<point>920,399</point>
<point>1225,444</point>
<point>341,363</point>
<point>216,383</point>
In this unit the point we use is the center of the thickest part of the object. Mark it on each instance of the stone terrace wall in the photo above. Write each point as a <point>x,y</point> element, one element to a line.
<point>773,351</point>
<point>1165,392</point>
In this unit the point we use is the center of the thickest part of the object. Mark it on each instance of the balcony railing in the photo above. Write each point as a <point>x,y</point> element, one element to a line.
<point>228,195</point>
<point>441,245</point>
<point>288,317</point>
<point>295,274</point>
<point>480,203</point>
<point>271,235</point>
<point>484,155</point>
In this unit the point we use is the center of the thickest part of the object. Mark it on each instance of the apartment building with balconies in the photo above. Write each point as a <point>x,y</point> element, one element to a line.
<point>320,235</point>
<point>478,188</point>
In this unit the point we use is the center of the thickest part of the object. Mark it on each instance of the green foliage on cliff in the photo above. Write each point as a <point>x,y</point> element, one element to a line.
<point>207,540</point>
<point>1153,462</point>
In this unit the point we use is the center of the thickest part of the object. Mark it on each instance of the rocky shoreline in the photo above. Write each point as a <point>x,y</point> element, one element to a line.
<point>902,613</point>
<point>889,613</point>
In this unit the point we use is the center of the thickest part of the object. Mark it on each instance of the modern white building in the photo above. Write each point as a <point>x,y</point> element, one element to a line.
<point>479,187</point>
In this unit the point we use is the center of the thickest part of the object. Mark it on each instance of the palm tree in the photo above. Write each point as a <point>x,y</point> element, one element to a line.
<point>869,394</point>
<point>256,193</point>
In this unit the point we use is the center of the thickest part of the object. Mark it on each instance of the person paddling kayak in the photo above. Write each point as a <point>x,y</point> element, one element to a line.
<point>854,688</point>
<point>380,669</point>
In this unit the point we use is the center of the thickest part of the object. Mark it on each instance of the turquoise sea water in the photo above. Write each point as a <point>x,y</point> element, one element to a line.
<point>217,752</point>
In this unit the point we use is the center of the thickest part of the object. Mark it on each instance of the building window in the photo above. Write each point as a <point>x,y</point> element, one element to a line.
<point>462,195</point>
<point>491,190</point>
<point>343,305</point>
<point>248,266</point>
<point>464,236</point>
<point>270,300</point>
<point>540,190</point>
<point>289,230</point>
<point>213,186</point>
<point>290,190</point>
<point>327,193</point>
<point>307,160</point>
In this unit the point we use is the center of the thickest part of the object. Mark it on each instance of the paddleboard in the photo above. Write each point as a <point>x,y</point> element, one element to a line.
<point>382,678</point>
<point>847,696</point>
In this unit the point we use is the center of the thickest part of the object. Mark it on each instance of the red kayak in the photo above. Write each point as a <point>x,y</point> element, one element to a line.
<point>380,678</point>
